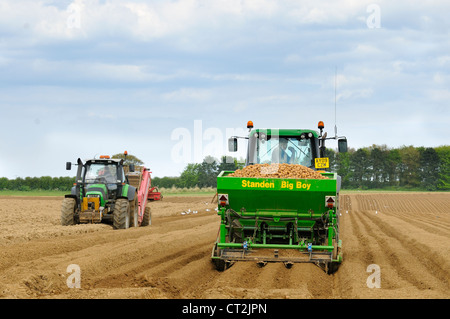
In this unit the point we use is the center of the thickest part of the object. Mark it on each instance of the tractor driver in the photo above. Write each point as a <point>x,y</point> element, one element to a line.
<point>279,154</point>
<point>108,174</point>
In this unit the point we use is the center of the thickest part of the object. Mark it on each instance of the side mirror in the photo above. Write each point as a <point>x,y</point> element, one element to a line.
<point>131,166</point>
<point>232,144</point>
<point>68,166</point>
<point>342,145</point>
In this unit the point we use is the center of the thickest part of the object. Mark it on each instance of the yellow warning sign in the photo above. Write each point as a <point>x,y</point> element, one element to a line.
<point>323,162</point>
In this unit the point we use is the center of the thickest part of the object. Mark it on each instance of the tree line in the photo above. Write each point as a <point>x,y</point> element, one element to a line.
<point>374,167</point>
<point>37,183</point>
<point>406,167</point>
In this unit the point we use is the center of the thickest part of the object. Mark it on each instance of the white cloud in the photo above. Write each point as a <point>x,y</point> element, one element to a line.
<point>146,21</point>
<point>188,94</point>
<point>440,95</point>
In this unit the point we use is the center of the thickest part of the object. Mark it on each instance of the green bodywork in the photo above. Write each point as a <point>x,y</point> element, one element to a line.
<point>92,189</point>
<point>278,213</point>
<point>125,190</point>
<point>285,132</point>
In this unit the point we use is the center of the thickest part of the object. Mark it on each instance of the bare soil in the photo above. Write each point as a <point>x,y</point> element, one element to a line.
<point>406,235</point>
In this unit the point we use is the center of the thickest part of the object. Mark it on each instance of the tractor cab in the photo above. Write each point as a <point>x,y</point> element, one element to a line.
<point>287,146</point>
<point>103,171</point>
<point>282,146</point>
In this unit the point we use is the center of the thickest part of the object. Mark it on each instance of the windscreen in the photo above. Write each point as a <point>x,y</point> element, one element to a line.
<point>101,173</point>
<point>281,149</point>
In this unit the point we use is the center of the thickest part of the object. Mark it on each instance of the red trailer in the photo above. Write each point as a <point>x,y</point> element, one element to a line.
<point>141,179</point>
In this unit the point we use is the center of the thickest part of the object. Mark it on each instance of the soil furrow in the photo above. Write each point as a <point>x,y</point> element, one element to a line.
<point>406,234</point>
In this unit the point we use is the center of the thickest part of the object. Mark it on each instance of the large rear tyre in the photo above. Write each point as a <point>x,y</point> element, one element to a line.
<point>147,219</point>
<point>121,214</point>
<point>68,212</point>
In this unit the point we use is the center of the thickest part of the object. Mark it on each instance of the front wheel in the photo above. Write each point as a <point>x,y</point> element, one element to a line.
<point>121,214</point>
<point>68,212</point>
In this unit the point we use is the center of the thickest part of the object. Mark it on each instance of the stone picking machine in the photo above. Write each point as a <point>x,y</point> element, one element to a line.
<point>289,220</point>
<point>107,190</point>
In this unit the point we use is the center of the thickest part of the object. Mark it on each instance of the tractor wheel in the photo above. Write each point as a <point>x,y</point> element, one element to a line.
<point>147,220</point>
<point>121,214</point>
<point>333,266</point>
<point>134,212</point>
<point>68,212</point>
<point>221,265</point>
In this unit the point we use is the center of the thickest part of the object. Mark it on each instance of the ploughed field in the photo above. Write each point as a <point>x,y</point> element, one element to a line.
<point>398,242</point>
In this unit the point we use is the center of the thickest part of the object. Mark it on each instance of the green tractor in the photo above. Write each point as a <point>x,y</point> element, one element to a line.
<point>102,193</point>
<point>287,220</point>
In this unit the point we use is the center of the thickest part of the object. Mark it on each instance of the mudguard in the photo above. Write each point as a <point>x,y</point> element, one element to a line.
<point>128,192</point>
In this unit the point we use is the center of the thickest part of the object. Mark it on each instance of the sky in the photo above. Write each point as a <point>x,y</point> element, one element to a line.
<point>170,81</point>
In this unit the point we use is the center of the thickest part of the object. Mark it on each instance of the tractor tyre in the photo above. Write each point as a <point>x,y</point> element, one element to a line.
<point>134,208</point>
<point>147,220</point>
<point>68,212</point>
<point>121,214</point>
<point>333,266</point>
<point>221,265</point>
